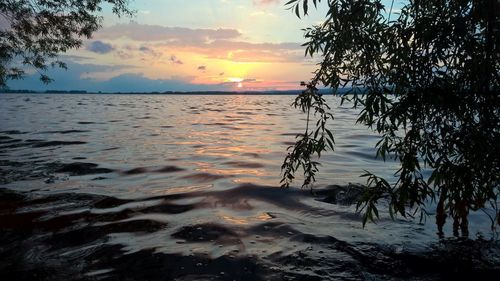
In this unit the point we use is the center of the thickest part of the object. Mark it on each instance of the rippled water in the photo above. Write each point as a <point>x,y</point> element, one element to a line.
<point>188,181</point>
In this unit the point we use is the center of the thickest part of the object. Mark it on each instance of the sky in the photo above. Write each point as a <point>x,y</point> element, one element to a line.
<point>189,45</point>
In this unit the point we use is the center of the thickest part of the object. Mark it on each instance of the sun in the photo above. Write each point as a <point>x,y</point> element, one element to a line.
<point>238,81</point>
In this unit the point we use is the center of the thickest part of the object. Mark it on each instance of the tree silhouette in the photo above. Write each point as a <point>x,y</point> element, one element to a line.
<point>34,32</point>
<point>427,80</point>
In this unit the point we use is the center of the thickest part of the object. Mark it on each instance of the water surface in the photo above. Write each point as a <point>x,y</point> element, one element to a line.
<point>188,186</point>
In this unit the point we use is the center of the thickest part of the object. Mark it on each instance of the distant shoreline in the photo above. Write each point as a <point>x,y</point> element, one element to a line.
<point>153,93</point>
<point>221,93</point>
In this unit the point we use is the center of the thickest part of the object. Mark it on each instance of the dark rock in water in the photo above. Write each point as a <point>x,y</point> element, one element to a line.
<point>342,195</point>
<point>79,169</point>
<point>51,179</point>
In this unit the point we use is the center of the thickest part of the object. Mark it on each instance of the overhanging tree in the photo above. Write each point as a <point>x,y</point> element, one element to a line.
<point>34,32</point>
<point>427,79</point>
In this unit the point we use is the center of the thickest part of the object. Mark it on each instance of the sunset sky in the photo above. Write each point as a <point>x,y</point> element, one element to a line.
<point>189,45</point>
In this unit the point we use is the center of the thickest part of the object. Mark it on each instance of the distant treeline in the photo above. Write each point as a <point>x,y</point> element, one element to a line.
<point>41,92</point>
<point>289,92</point>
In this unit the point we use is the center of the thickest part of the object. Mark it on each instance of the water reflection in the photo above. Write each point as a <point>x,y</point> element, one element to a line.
<point>188,184</point>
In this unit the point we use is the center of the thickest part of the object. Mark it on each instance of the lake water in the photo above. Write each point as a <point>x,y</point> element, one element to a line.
<point>187,187</point>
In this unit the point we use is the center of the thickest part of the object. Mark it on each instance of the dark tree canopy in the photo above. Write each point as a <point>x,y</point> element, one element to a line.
<point>427,79</point>
<point>34,32</point>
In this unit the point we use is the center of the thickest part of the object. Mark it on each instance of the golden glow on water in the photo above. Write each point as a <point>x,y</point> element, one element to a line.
<point>229,151</point>
<point>244,220</point>
<point>233,172</point>
<point>236,220</point>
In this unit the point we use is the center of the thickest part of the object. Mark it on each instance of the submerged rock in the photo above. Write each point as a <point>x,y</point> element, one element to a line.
<point>342,195</point>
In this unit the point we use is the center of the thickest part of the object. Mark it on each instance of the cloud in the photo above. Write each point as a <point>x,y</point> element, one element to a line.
<point>250,52</point>
<point>249,80</point>
<point>239,51</point>
<point>146,50</point>
<point>74,58</point>
<point>144,32</point>
<point>75,79</point>
<point>225,44</point>
<point>126,78</point>
<point>99,47</point>
<point>174,60</point>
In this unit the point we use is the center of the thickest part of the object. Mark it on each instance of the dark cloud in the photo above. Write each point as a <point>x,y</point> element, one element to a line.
<point>249,80</point>
<point>175,60</point>
<point>233,85</point>
<point>99,47</point>
<point>144,32</point>
<point>146,50</point>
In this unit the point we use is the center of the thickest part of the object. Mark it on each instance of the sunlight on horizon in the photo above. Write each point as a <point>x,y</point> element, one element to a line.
<point>184,46</point>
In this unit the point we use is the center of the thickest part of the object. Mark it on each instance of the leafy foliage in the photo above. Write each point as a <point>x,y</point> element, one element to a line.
<point>312,141</point>
<point>34,32</point>
<point>428,82</point>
